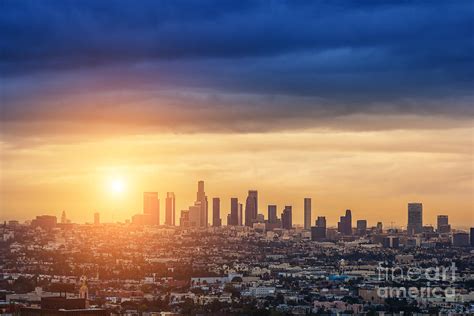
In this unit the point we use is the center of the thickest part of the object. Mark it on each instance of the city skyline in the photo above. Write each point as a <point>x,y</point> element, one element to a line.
<point>196,214</point>
<point>250,157</point>
<point>362,110</point>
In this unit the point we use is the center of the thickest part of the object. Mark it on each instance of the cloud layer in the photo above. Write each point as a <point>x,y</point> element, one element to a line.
<point>232,64</point>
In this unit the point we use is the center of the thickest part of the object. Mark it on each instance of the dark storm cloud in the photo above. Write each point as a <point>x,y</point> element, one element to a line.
<point>340,57</point>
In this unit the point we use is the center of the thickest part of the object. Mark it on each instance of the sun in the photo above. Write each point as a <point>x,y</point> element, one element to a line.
<point>117,186</point>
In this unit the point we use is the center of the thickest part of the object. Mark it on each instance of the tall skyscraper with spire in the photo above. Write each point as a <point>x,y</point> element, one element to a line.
<point>170,209</point>
<point>251,208</point>
<point>198,212</point>
<point>202,199</point>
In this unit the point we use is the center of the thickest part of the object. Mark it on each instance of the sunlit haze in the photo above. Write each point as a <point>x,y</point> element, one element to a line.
<point>369,118</point>
<point>236,157</point>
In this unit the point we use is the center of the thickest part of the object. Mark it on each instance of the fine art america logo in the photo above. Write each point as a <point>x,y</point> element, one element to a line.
<point>417,276</point>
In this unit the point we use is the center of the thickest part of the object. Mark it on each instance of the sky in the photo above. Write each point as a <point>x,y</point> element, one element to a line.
<point>366,105</point>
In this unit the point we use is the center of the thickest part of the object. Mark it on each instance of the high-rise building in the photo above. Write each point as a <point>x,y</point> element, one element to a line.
<point>233,218</point>
<point>184,219</point>
<point>170,209</point>
<point>443,224</point>
<point>345,224</point>
<point>202,198</point>
<point>251,208</point>
<point>287,218</point>
<point>379,227</point>
<point>198,212</point>
<point>44,221</point>
<point>151,207</point>
<point>272,214</point>
<point>318,232</point>
<point>307,213</point>
<point>321,221</point>
<point>216,212</point>
<point>273,222</point>
<point>195,214</point>
<point>415,218</point>
<point>361,227</point>
<point>96,218</point>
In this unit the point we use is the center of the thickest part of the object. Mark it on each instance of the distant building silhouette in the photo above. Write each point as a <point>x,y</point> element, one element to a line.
<point>287,218</point>
<point>443,224</point>
<point>251,208</point>
<point>415,218</point>
<point>307,213</point>
<point>196,215</point>
<point>216,212</point>
<point>151,207</point>
<point>321,221</point>
<point>272,214</point>
<point>45,221</point>
<point>170,209</point>
<point>202,198</point>
<point>318,232</point>
<point>233,218</point>
<point>184,219</point>
<point>361,226</point>
<point>345,224</point>
<point>379,227</point>
<point>273,221</point>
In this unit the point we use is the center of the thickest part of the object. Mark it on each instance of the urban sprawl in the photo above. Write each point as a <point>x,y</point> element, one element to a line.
<point>254,265</point>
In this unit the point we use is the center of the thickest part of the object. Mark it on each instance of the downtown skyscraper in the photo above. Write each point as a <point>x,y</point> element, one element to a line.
<point>345,224</point>
<point>415,218</point>
<point>272,214</point>
<point>216,212</point>
<point>233,217</point>
<point>287,218</point>
<point>307,213</point>
<point>170,209</point>
<point>443,224</point>
<point>196,215</point>
<point>202,199</point>
<point>251,208</point>
<point>151,207</point>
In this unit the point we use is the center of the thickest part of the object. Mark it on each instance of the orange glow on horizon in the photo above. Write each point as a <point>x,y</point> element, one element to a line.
<point>373,173</point>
